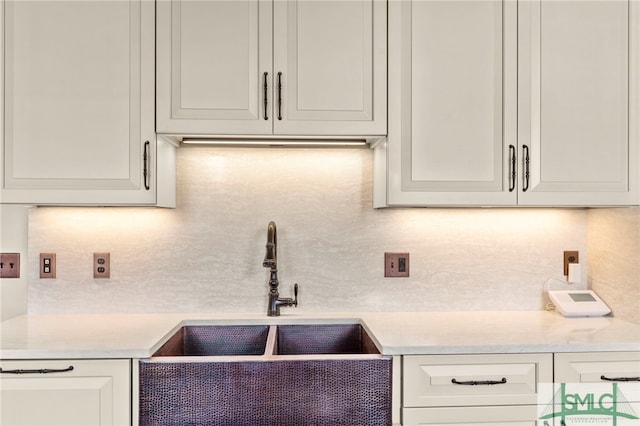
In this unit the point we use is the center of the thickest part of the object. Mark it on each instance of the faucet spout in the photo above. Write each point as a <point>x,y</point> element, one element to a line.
<point>271,261</point>
<point>271,257</point>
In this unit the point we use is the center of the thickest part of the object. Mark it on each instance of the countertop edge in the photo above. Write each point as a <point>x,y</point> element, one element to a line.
<point>134,336</point>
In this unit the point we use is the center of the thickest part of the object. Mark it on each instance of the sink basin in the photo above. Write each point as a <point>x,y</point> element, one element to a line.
<point>266,375</point>
<point>216,340</point>
<point>324,339</point>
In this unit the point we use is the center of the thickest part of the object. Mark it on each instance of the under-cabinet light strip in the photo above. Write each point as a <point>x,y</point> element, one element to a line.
<point>274,142</point>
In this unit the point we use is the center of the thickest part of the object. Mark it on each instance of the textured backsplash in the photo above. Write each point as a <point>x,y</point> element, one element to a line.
<point>206,255</point>
<point>614,251</point>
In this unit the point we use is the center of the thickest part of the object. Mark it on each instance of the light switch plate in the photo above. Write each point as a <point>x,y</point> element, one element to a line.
<point>396,264</point>
<point>47,265</point>
<point>9,265</point>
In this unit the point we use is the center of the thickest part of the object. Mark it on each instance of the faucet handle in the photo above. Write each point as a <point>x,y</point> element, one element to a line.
<point>295,295</point>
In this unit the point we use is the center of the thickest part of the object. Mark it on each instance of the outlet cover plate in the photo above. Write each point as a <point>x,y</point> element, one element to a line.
<point>570,257</point>
<point>47,265</point>
<point>101,265</point>
<point>396,264</point>
<point>9,265</point>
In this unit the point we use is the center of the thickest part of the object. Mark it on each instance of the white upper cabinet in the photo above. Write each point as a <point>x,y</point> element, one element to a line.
<point>330,58</point>
<point>214,63</point>
<point>263,67</point>
<point>452,102</point>
<point>78,112</point>
<point>512,103</point>
<point>579,91</point>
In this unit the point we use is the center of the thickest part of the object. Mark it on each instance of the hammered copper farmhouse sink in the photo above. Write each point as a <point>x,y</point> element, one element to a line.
<point>266,375</point>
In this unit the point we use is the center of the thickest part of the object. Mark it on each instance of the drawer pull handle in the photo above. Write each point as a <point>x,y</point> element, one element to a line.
<point>279,96</point>
<point>512,168</point>
<point>476,382</point>
<point>40,371</point>
<point>145,170</point>
<point>525,152</point>
<point>620,379</point>
<point>265,95</point>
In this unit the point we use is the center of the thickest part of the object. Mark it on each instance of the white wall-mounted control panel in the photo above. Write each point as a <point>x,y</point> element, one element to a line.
<point>578,303</point>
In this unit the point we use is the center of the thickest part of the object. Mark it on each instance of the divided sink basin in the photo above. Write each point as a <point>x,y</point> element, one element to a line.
<point>302,374</point>
<point>323,339</point>
<point>216,340</point>
<point>230,340</point>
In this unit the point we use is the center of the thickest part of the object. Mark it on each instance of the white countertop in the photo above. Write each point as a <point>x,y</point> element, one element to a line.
<point>395,333</point>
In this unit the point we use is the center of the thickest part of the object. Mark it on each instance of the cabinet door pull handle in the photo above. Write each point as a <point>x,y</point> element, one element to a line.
<point>279,96</point>
<point>512,168</point>
<point>39,371</point>
<point>620,379</point>
<point>265,88</point>
<point>145,169</point>
<point>476,382</point>
<point>525,153</point>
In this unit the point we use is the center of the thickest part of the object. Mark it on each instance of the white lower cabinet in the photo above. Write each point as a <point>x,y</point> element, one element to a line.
<point>435,390</point>
<point>597,387</point>
<point>65,393</point>
<point>474,389</point>
<point>514,415</point>
<point>596,367</point>
<point>558,389</point>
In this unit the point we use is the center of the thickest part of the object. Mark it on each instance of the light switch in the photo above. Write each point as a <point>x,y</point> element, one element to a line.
<point>47,265</point>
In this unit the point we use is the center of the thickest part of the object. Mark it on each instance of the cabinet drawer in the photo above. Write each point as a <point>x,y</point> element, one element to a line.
<point>510,415</point>
<point>465,380</point>
<point>601,367</point>
<point>65,393</point>
<point>588,367</point>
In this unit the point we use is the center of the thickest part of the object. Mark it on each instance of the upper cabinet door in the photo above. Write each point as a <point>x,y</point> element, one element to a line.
<point>78,82</point>
<point>452,102</point>
<point>330,67</point>
<point>214,67</point>
<point>216,75</point>
<point>579,91</point>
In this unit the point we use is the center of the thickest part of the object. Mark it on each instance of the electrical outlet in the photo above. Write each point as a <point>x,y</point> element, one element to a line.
<point>47,265</point>
<point>101,265</point>
<point>570,257</point>
<point>396,264</point>
<point>9,265</point>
